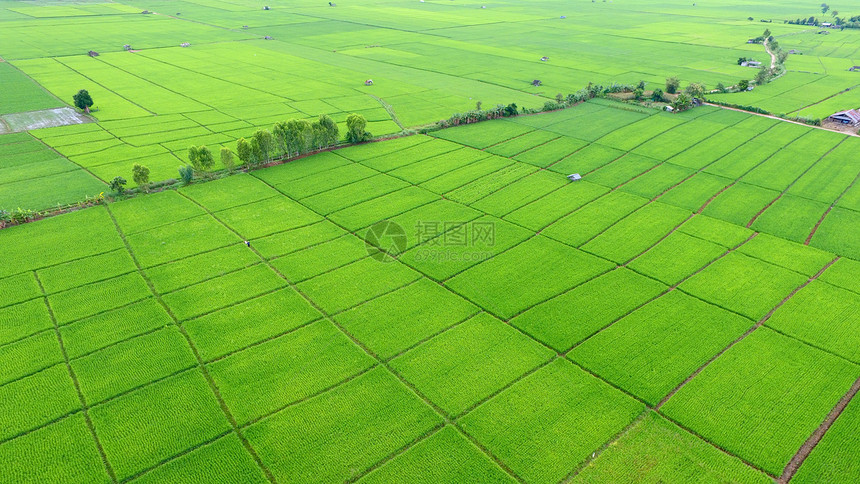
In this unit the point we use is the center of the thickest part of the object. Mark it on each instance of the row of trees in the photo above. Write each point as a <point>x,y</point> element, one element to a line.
<point>285,140</point>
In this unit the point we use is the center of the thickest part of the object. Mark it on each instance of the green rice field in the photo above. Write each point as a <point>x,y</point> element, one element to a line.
<point>444,306</point>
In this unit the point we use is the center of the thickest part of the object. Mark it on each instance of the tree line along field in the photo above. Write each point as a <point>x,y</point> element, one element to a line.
<point>658,320</point>
<point>427,60</point>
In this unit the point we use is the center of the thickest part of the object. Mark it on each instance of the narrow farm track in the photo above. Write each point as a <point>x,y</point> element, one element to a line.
<point>777,118</point>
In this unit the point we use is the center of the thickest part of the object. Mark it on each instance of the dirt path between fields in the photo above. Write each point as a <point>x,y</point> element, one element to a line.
<point>781,119</point>
<point>813,440</point>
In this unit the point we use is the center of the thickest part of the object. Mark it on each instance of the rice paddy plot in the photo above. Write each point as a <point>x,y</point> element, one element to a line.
<point>559,408</point>
<point>833,458</point>
<point>651,351</point>
<point>778,386</point>
<point>464,365</point>
<point>743,284</point>
<point>660,451</point>
<point>575,315</point>
<point>534,271</point>
<point>308,441</point>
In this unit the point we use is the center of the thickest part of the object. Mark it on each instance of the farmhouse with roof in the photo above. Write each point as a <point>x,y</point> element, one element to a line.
<point>854,68</point>
<point>850,117</point>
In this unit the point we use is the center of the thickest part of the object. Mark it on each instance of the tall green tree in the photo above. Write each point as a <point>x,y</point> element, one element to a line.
<point>194,158</point>
<point>672,85</point>
<point>356,128</point>
<point>743,85</point>
<point>244,151</point>
<point>204,155</point>
<point>695,89</point>
<point>265,144</point>
<point>332,134</point>
<point>83,100</point>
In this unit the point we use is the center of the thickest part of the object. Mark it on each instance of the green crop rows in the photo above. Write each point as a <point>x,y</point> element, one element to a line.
<point>439,307</point>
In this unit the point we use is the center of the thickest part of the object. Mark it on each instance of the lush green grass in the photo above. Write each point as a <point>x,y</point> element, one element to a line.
<point>319,357</point>
<point>401,319</point>
<point>833,324</point>
<point>742,284</point>
<point>142,428</point>
<point>31,458</point>
<point>575,315</point>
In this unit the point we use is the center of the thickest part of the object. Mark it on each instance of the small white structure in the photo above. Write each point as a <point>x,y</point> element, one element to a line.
<point>669,109</point>
<point>185,44</point>
<point>751,63</point>
<point>574,177</point>
<point>544,58</point>
<point>368,82</point>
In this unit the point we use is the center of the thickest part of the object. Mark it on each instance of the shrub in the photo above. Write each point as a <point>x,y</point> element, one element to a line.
<point>22,215</point>
<point>743,85</point>
<point>657,95</point>
<point>5,218</point>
